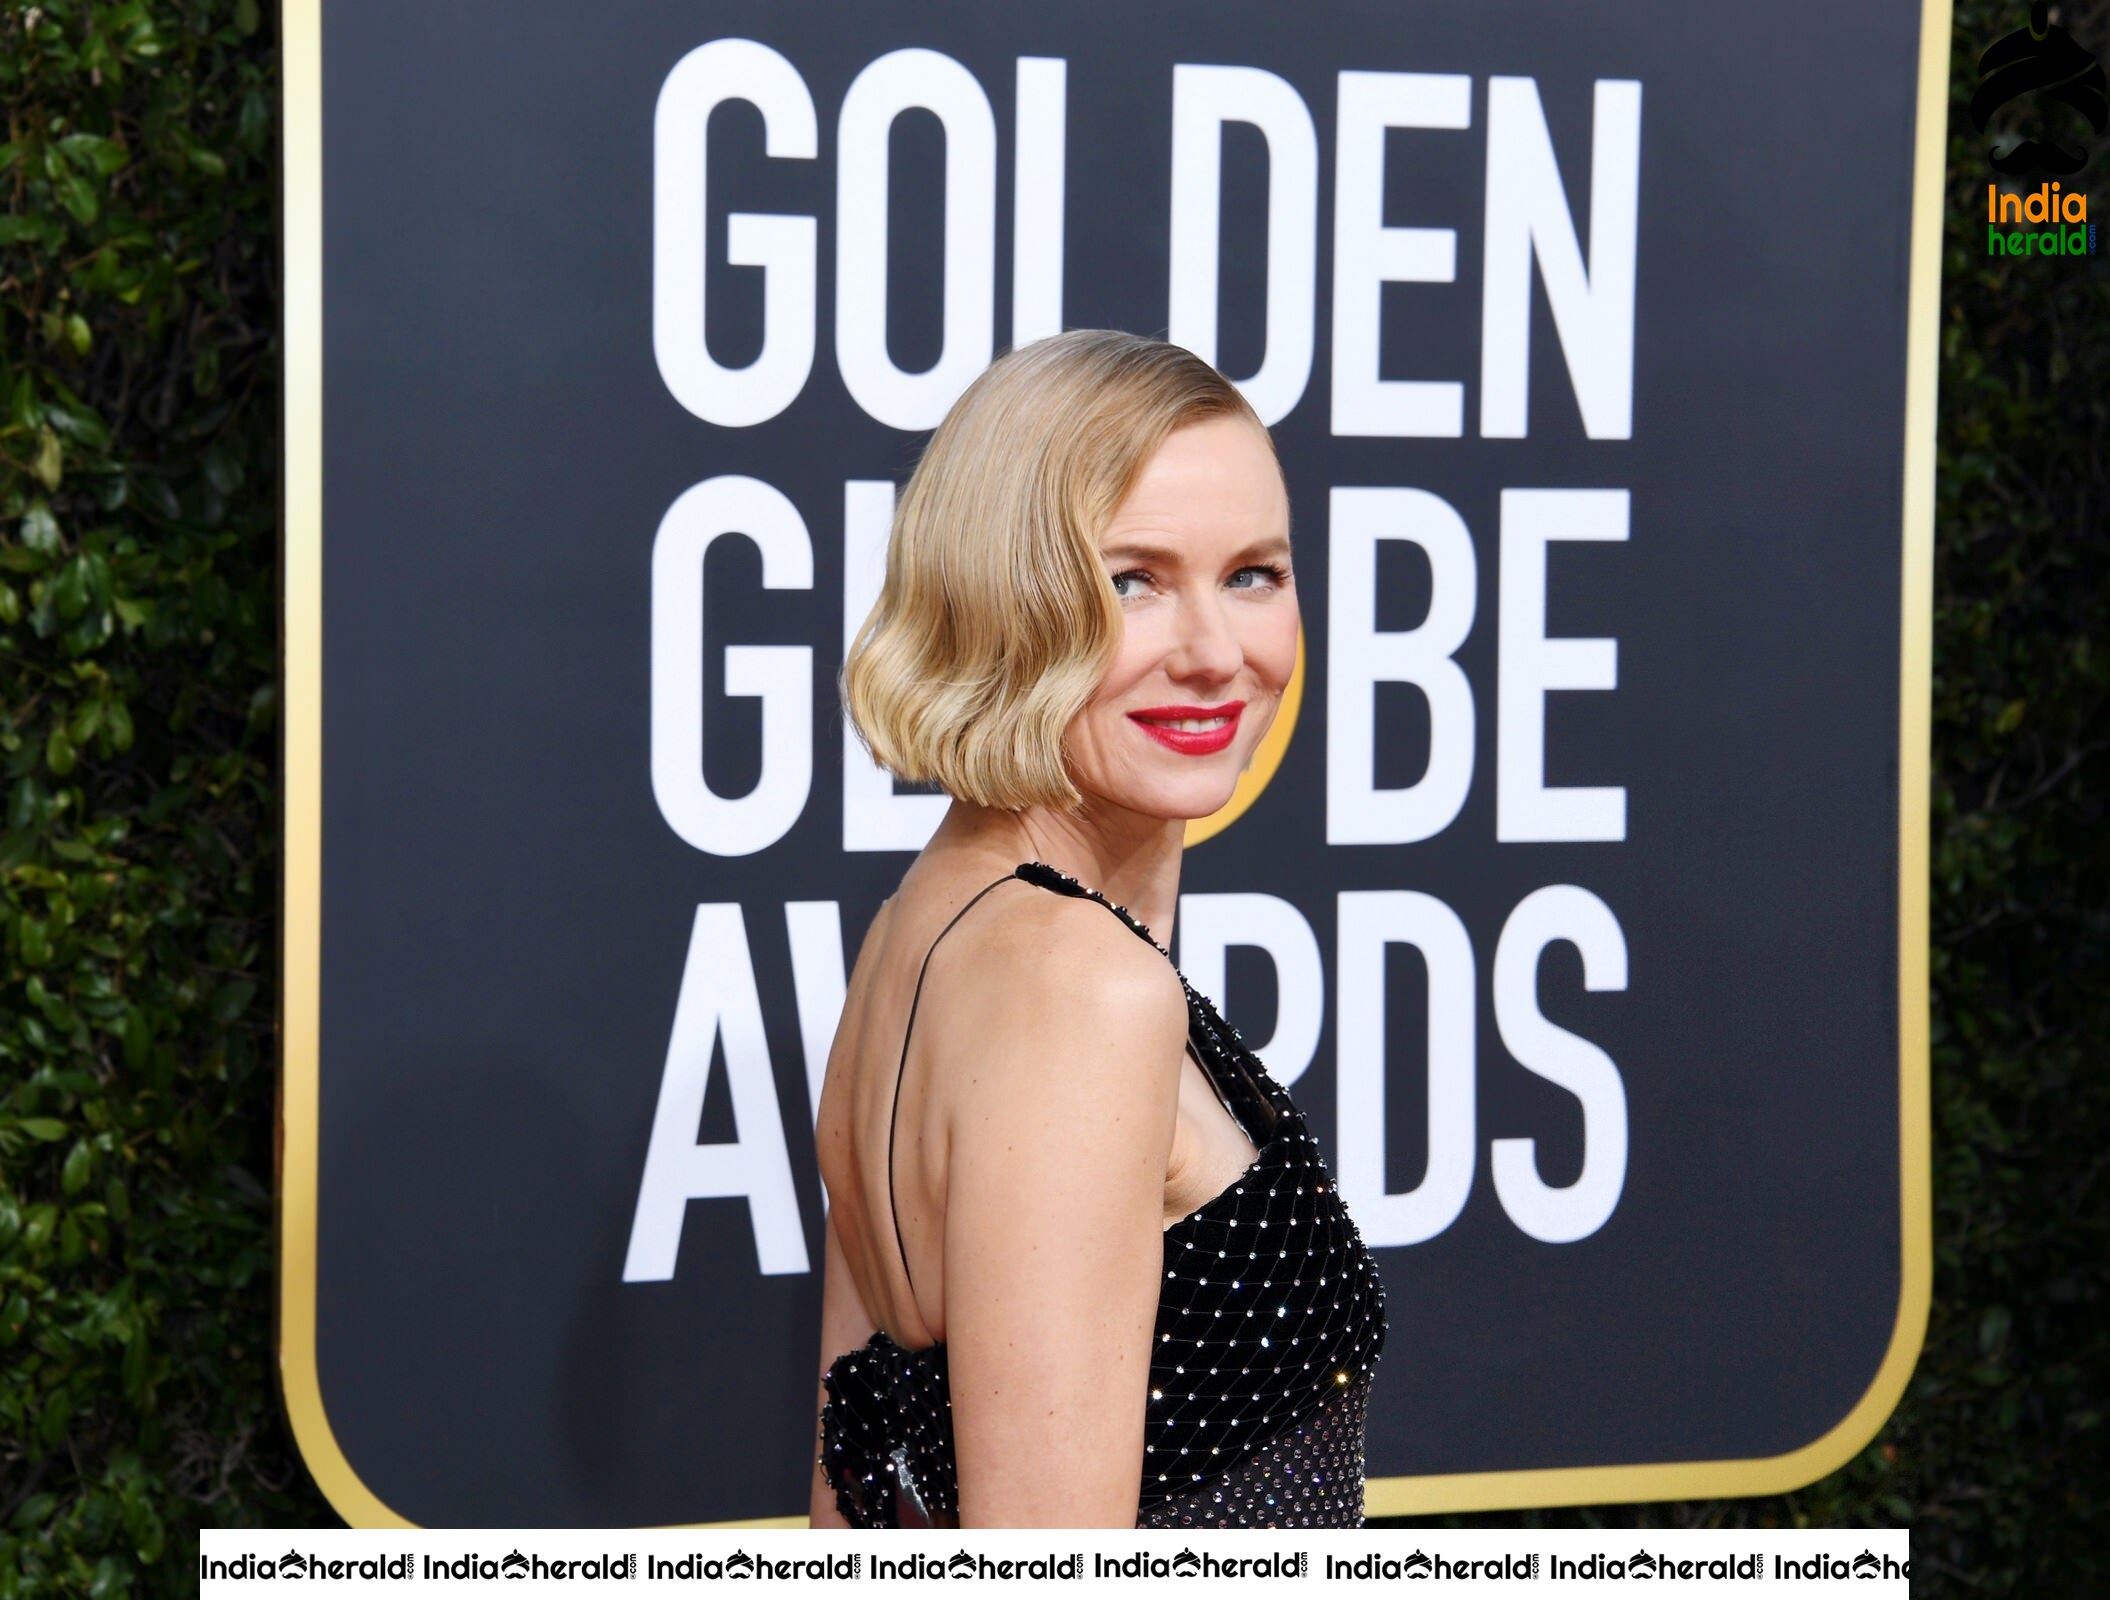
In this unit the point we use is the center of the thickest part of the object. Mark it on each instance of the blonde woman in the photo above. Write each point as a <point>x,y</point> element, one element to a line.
<point>1085,1266</point>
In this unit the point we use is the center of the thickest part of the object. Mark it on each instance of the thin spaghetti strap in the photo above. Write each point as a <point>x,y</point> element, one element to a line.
<point>900,1072</point>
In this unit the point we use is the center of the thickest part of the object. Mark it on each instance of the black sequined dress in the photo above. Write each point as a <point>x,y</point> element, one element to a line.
<point>1270,1319</point>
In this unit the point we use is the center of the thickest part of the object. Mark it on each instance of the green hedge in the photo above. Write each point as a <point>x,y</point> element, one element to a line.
<point>139,371</point>
<point>138,475</point>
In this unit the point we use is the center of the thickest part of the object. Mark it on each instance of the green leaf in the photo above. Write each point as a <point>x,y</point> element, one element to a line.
<point>37,1231</point>
<point>49,464</point>
<point>263,707</point>
<point>202,156</point>
<point>33,1512</point>
<point>25,803</point>
<point>255,126</point>
<point>138,1037</point>
<point>35,949</point>
<point>79,1167</point>
<point>232,998</point>
<point>144,41</point>
<point>23,409</point>
<point>49,1129</point>
<point>149,1537</point>
<point>70,592</point>
<point>77,194</point>
<point>93,153</point>
<point>1992,1329</point>
<point>223,469</point>
<point>40,529</point>
<point>81,425</point>
<point>59,753</point>
<point>137,1354</point>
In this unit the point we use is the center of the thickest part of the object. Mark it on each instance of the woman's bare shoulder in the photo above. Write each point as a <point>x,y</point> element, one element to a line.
<point>1045,950</point>
<point>1052,974</point>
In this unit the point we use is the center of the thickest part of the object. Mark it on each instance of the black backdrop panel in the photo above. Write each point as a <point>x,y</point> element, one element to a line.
<point>507,913</point>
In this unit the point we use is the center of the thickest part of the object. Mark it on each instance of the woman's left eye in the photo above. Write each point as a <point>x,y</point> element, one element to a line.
<point>1257,577</point>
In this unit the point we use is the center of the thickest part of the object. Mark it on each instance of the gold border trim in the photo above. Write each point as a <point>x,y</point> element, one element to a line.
<point>299,1095</point>
<point>299,1092</point>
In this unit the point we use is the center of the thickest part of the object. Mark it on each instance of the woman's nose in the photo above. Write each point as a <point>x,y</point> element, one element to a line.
<point>1208,649</point>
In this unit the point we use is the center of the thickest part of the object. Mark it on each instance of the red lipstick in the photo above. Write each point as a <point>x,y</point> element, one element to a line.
<point>1191,730</point>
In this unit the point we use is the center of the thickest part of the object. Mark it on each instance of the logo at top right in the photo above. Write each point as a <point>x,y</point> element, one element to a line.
<point>2047,64</point>
<point>2044,67</point>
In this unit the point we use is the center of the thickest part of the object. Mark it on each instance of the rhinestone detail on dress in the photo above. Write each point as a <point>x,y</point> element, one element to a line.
<point>1269,1324</point>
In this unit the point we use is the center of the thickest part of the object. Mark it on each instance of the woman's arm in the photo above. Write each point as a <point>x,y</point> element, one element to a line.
<point>1054,1222</point>
<point>845,1324</point>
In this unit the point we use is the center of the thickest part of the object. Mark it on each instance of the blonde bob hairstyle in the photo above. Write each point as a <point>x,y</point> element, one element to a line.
<point>996,621</point>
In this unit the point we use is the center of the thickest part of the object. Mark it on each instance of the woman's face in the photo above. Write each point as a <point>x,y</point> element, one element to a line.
<point>1199,556</point>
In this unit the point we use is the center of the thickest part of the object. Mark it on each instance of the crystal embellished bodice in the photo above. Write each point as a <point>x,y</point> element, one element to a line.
<point>1270,1318</point>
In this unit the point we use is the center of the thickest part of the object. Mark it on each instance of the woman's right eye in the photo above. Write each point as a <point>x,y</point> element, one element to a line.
<point>1127,585</point>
